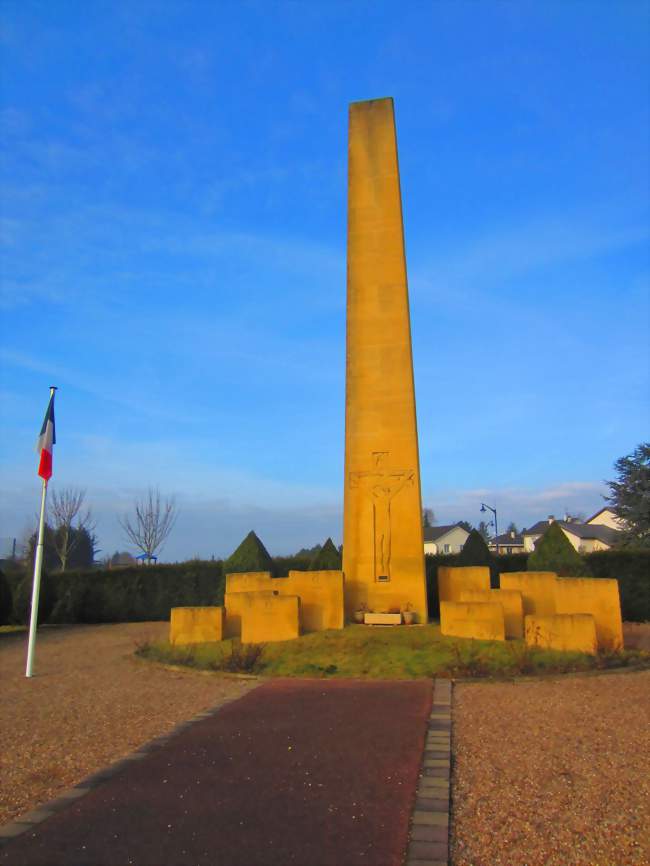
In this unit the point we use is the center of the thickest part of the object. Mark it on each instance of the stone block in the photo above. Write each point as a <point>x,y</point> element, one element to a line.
<point>452,580</point>
<point>248,581</point>
<point>190,625</point>
<point>537,590</point>
<point>321,597</point>
<point>600,598</point>
<point>574,632</point>
<point>382,618</point>
<point>267,617</point>
<point>509,599</point>
<point>482,620</point>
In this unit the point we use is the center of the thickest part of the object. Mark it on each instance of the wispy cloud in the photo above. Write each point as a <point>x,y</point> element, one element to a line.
<point>498,258</point>
<point>524,505</point>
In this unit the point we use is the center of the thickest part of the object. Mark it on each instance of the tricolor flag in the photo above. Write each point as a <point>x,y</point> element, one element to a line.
<point>45,442</point>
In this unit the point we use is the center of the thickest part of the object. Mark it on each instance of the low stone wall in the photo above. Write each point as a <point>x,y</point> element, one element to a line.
<point>472,619</point>
<point>563,631</point>
<point>511,602</point>
<point>190,625</point>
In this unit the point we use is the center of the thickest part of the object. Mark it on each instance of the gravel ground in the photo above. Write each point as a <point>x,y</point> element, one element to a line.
<point>90,703</point>
<point>553,772</point>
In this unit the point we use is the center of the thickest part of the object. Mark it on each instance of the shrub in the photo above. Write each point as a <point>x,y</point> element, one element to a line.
<point>431,563</point>
<point>136,594</point>
<point>22,601</point>
<point>327,559</point>
<point>251,555</point>
<point>6,600</point>
<point>632,570</point>
<point>243,658</point>
<point>475,551</point>
<point>282,565</point>
<point>554,552</point>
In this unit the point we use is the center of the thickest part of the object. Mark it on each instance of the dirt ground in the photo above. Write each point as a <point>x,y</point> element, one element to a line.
<point>90,703</point>
<point>552,772</point>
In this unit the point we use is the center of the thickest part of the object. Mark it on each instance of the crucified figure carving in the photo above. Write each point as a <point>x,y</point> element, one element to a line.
<point>384,486</point>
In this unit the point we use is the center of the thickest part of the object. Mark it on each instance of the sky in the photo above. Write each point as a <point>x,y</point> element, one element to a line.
<point>173,258</point>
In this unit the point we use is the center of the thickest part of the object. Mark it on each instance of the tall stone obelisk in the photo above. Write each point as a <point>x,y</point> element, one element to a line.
<point>383,550</point>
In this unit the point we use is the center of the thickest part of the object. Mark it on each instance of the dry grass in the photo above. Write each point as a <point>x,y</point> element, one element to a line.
<point>91,703</point>
<point>552,773</point>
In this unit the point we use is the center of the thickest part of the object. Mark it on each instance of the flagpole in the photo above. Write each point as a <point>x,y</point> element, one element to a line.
<point>36,585</point>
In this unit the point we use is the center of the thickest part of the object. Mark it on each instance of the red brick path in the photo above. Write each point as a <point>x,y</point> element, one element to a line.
<point>306,772</point>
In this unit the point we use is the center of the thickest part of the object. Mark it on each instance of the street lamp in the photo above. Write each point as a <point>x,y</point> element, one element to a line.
<point>485,508</point>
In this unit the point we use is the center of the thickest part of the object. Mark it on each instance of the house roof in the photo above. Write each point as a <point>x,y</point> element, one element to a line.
<point>506,538</point>
<point>434,533</point>
<point>581,530</point>
<point>605,508</point>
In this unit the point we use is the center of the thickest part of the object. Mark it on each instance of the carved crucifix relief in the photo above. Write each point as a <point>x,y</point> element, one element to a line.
<point>382,486</point>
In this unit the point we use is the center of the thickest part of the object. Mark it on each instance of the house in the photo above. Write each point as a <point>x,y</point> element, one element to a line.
<point>607,517</point>
<point>445,539</point>
<point>585,537</point>
<point>509,542</point>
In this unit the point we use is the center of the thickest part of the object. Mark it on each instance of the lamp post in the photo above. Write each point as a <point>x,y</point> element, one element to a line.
<point>485,508</point>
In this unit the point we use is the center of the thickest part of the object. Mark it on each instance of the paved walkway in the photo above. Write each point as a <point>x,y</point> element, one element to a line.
<point>300,772</point>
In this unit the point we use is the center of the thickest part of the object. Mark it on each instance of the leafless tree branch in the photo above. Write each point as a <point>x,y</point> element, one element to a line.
<point>150,525</point>
<point>64,508</point>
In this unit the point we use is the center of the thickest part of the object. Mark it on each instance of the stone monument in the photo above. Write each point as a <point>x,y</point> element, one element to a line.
<point>383,548</point>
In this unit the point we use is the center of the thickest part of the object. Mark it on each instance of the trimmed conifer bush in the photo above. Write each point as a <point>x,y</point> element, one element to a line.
<point>327,559</point>
<point>251,555</point>
<point>475,551</point>
<point>554,552</point>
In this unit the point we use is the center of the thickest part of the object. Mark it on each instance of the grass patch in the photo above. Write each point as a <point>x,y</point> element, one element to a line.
<point>376,653</point>
<point>12,630</point>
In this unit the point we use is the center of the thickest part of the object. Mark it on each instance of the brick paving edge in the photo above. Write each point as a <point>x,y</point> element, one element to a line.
<point>429,831</point>
<point>36,815</point>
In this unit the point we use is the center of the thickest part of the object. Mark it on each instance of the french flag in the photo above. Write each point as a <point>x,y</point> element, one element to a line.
<point>45,442</point>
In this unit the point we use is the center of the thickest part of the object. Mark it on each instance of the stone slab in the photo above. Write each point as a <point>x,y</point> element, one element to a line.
<point>452,580</point>
<point>472,619</point>
<point>428,850</point>
<point>247,581</point>
<point>192,625</point>
<point>423,833</point>
<point>513,607</point>
<point>537,590</point>
<point>382,618</point>
<point>267,617</point>
<point>321,598</point>
<point>431,819</point>
<point>599,597</point>
<point>567,632</point>
<point>431,804</point>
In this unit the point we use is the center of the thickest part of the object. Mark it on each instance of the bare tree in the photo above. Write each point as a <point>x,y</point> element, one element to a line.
<point>65,508</point>
<point>152,522</point>
<point>428,517</point>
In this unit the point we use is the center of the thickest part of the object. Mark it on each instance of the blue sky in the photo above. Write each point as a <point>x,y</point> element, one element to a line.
<point>173,253</point>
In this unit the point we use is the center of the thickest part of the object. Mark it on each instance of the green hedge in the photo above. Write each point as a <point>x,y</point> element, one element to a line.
<point>6,600</point>
<point>632,570</point>
<point>135,594</point>
<point>630,567</point>
<point>22,599</point>
<point>149,592</point>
